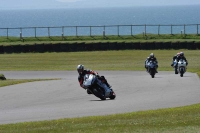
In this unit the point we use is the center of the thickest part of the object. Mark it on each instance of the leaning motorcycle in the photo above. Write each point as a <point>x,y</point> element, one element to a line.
<point>93,84</point>
<point>180,67</point>
<point>151,68</point>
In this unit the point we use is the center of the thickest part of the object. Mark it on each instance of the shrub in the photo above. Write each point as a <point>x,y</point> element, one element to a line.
<point>2,77</point>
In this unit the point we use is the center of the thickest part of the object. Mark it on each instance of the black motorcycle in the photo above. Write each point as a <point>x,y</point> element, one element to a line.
<point>151,68</point>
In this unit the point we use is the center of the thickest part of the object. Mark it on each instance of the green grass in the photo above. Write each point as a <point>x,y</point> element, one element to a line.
<point>177,120</point>
<point>19,81</point>
<point>173,120</point>
<point>97,60</point>
<point>139,37</point>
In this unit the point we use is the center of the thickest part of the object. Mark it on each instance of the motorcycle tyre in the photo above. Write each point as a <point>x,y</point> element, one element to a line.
<point>101,96</point>
<point>112,96</point>
<point>152,72</point>
<point>181,74</point>
<point>88,92</point>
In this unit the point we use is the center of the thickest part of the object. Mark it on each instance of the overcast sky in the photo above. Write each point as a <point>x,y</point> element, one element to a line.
<point>44,4</point>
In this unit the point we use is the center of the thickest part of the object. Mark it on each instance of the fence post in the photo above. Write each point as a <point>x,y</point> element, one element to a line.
<point>76,31</point>
<point>197,29</point>
<point>184,29</point>
<point>171,29</point>
<point>62,32</point>
<point>35,33</point>
<point>131,30</point>
<point>145,28</point>
<point>104,31</point>
<point>118,30</point>
<point>90,31</point>
<point>158,29</point>
<point>48,32</point>
<point>7,33</point>
<point>20,33</point>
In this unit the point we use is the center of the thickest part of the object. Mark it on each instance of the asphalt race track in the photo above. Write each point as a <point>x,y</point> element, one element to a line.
<point>136,91</point>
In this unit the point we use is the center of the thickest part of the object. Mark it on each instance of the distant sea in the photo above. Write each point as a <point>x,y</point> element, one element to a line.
<point>163,15</point>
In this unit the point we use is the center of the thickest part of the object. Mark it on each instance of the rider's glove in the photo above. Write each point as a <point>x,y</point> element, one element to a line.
<point>96,74</point>
<point>172,64</point>
<point>186,64</point>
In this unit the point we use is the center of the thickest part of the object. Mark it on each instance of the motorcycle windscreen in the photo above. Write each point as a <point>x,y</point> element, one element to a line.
<point>152,64</point>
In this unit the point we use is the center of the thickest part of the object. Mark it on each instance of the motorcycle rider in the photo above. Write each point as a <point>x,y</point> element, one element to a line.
<point>151,58</point>
<point>181,56</point>
<point>82,72</point>
<point>174,58</point>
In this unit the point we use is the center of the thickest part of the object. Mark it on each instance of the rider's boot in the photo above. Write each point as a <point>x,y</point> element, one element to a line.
<point>88,92</point>
<point>176,71</point>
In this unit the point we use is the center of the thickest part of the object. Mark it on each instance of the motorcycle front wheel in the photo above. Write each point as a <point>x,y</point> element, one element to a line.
<point>112,96</point>
<point>181,73</point>
<point>152,72</point>
<point>99,94</point>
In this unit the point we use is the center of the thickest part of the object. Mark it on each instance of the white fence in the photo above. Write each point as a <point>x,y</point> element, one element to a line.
<point>99,30</point>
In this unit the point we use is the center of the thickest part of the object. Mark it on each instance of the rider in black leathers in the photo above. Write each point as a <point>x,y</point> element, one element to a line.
<point>174,58</point>
<point>82,72</point>
<point>182,57</point>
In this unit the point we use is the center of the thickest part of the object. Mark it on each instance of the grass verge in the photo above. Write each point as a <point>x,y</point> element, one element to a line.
<point>19,81</point>
<point>177,120</point>
<point>121,60</point>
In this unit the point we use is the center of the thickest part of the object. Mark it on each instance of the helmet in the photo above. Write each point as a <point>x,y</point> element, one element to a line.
<point>80,68</point>
<point>151,55</point>
<point>181,54</point>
